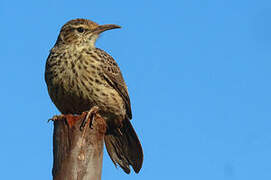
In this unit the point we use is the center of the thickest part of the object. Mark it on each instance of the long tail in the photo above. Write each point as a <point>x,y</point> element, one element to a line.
<point>124,148</point>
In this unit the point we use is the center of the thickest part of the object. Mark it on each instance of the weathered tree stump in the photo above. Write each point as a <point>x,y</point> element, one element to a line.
<point>78,152</point>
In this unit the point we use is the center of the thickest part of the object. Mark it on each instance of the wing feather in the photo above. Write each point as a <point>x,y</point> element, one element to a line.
<point>114,78</point>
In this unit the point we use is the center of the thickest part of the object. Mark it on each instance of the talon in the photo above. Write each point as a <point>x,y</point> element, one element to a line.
<point>55,117</point>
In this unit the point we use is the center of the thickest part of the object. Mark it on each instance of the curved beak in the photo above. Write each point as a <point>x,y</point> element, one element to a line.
<point>105,27</point>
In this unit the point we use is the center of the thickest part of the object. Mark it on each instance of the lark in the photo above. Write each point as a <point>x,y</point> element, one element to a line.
<point>80,76</point>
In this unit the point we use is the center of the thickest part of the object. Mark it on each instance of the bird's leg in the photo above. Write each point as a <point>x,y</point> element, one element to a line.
<point>89,117</point>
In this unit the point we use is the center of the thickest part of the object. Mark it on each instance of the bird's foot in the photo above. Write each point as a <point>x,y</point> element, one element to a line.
<point>56,117</point>
<point>90,116</point>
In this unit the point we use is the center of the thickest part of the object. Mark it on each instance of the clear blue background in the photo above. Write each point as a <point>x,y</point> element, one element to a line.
<point>198,74</point>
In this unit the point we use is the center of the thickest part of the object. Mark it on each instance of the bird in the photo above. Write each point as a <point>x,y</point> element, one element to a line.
<point>80,76</point>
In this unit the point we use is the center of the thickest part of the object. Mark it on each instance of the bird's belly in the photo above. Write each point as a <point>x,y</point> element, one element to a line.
<point>69,97</point>
<point>75,94</point>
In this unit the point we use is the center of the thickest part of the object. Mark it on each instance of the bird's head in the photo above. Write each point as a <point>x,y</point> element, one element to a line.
<point>82,32</point>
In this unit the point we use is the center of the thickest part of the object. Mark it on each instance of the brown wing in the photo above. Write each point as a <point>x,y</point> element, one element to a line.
<point>113,76</point>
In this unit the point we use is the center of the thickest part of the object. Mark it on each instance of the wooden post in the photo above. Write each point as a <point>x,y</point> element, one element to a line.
<point>78,154</point>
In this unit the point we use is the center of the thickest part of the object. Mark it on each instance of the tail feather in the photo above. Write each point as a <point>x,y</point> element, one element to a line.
<point>124,148</point>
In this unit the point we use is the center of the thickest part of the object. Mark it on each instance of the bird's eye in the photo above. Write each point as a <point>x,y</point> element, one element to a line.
<point>80,29</point>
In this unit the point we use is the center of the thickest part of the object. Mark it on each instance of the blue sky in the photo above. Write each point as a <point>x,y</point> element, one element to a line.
<point>198,74</point>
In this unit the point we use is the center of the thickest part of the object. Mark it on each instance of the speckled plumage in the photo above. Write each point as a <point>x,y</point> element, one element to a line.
<point>79,75</point>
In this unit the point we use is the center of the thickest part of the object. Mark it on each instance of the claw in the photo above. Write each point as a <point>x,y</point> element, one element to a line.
<point>54,118</point>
